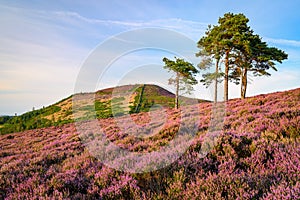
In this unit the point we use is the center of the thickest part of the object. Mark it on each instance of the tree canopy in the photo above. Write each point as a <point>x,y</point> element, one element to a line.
<point>254,55</point>
<point>184,75</point>
<point>233,42</point>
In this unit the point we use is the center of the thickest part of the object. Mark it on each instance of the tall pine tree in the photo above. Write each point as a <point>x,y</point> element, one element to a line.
<point>221,40</point>
<point>254,55</point>
<point>234,43</point>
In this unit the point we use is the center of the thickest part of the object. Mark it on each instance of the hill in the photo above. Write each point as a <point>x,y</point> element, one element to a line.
<point>256,156</point>
<point>105,103</point>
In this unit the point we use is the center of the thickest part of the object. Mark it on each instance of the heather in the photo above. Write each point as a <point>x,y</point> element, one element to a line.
<point>256,156</point>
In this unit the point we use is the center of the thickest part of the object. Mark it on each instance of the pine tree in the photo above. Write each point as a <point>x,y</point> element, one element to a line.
<point>184,76</point>
<point>254,55</point>
<point>220,42</point>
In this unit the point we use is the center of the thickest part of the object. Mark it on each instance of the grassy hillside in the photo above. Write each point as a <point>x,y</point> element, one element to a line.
<point>257,156</point>
<point>105,103</point>
<point>34,119</point>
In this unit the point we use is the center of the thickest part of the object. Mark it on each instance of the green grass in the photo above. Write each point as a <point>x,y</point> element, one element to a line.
<point>30,120</point>
<point>151,97</point>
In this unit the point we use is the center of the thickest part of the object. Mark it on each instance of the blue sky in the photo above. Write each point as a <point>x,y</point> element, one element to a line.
<point>43,44</point>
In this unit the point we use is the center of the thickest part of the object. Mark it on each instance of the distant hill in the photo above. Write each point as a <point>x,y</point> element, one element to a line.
<point>105,103</point>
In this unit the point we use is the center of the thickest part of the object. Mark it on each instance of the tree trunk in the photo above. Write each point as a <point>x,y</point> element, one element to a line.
<point>226,75</point>
<point>243,83</point>
<point>216,81</point>
<point>177,91</point>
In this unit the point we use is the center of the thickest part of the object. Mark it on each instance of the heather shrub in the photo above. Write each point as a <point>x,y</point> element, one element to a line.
<point>256,156</point>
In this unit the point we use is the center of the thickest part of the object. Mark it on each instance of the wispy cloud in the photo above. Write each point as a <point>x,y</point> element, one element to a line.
<point>191,28</point>
<point>292,43</point>
<point>291,47</point>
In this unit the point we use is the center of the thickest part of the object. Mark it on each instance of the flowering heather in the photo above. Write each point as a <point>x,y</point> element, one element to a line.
<point>256,156</point>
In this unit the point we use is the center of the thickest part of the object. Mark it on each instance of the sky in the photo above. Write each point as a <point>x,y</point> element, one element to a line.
<point>45,45</point>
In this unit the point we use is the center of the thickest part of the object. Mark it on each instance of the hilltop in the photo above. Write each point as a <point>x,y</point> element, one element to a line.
<point>103,104</point>
<point>256,156</point>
